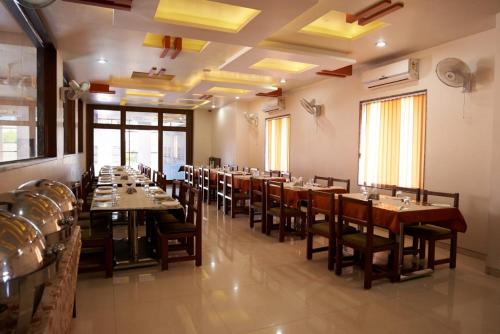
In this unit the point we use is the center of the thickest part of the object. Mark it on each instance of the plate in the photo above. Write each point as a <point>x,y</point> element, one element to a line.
<point>163,196</point>
<point>103,199</point>
<point>441,205</point>
<point>105,188</point>
<point>104,191</point>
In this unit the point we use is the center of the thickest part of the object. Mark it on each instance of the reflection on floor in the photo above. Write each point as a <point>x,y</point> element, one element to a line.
<point>250,283</point>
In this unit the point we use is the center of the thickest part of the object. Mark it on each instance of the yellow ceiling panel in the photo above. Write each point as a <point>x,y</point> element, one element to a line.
<point>333,24</point>
<point>282,65</point>
<point>188,44</point>
<point>205,14</point>
<point>143,93</point>
<point>227,90</point>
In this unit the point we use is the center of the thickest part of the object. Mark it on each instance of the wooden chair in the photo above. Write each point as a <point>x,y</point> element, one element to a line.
<point>154,178</point>
<point>254,170</point>
<point>323,203</point>
<point>324,180</point>
<point>190,230</point>
<point>161,181</point>
<point>431,233</point>
<point>186,174</point>
<point>235,200</point>
<point>179,191</point>
<point>274,173</point>
<point>286,175</point>
<point>221,191</point>
<point>276,207</point>
<point>411,191</point>
<point>246,169</point>
<point>346,183</point>
<point>367,243</point>
<point>257,202</point>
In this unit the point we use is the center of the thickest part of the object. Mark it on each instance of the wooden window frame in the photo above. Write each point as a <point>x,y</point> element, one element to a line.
<point>69,127</point>
<point>90,126</point>
<point>80,127</point>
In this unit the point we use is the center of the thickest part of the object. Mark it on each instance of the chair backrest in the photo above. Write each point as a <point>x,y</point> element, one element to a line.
<point>454,196</point>
<point>274,173</point>
<point>275,194</point>
<point>325,180</point>
<point>246,169</point>
<point>253,170</point>
<point>356,211</point>
<point>162,181</point>
<point>205,177</point>
<point>257,190</point>
<point>220,181</point>
<point>404,190</point>
<point>140,167</point>
<point>154,177</point>
<point>286,175</point>
<point>186,173</point>
<point>194,208</point>
<point>320,202</point>
<point>346,183</point>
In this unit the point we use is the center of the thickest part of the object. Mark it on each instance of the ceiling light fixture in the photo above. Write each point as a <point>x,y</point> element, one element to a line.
<point>102,60</point>
<point>237,97</point>
<point>283,81</point>
<point>213,105</point>
<point>381,44</point>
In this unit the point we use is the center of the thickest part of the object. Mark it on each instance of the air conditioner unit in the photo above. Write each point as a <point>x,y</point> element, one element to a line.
<point>275,104</point>
<point>399,72</point>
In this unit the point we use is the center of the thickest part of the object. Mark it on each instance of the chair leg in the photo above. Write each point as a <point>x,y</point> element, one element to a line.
<point>331,253</point>
<point>453,250</point>
<point>233,207</point>
<point>198,254</point>
<point>190,245</point>
<point>263,226</point>
<point>338,257</point>
<point>164,252</point>
<point>395,265</point>
<point>309,246</point>
<point>421,252</point>
<point>269,224</point>
<point>108,250</point>
<point>368,269</point>
<point>303,225</point>
<point>431,254</point>
<point>282,228</point>
<point>252,219</point>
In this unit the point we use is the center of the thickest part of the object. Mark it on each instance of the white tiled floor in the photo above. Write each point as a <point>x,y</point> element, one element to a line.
<point>250,283</point>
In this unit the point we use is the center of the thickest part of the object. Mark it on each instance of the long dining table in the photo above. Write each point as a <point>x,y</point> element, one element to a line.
<point>393,214</point>
<point>111,200</point>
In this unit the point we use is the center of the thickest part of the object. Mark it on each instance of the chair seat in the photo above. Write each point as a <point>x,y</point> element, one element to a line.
<point>358,240</point>
<point>426,231</point>
<point>176,228</point>
<point>257,205</point>
<point>287,211</point>
<point>167,217</point>
<point>323,227</point>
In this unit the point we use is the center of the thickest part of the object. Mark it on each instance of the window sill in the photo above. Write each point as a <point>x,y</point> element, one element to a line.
<point>26,163</point>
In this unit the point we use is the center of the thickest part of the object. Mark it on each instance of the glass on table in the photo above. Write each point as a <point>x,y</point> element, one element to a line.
<point>146,189</point>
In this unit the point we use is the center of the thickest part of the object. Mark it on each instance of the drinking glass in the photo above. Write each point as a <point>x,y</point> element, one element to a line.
<point>146,189</point>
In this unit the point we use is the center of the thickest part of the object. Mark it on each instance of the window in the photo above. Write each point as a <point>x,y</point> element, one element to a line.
<point>106,148</point>
<point>106,116</point>
<point>392,141</point>
<point>142,118</point>
<point>141,147</point>
<point>20,132</point>
<point>278,143</point>
<point>174,120</point>
<point>174,153</point>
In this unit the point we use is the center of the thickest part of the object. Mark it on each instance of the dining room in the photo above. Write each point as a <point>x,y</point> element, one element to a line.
<point>234,166</point>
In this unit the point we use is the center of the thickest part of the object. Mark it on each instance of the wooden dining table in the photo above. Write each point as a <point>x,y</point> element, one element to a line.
<point>295,194</point>
<point>391,213</point>
<point>138,200</point>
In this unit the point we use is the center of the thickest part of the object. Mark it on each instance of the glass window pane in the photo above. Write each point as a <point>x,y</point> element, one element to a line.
<point>142,118</point>
<point>106,148</point>
<point>106,116</point>
<point>141,147</point>
<point>174,153</point>
<point>174,119</point>
<point>18,102</point>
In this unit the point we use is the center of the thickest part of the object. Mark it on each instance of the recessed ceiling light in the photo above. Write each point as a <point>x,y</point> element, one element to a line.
<point>213,105</point>
<point>237,97</point>
<point>380,44</point>
<point>283,80</point>
<point>102,60</point>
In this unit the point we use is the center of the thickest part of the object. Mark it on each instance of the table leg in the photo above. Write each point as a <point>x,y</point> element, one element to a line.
<point>132,236</point>
<point>411,275</point>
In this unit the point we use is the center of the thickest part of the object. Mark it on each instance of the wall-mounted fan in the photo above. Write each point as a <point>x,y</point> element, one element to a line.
<point>34,4</point>
<point>454,73</point>
<point>252,118</point>
<point>75,90</point>
<point>311,106</point>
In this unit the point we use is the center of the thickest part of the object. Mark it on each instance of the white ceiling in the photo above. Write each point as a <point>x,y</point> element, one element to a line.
<point>118,36</point>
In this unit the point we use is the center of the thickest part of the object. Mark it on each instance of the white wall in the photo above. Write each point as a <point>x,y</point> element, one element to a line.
<point>62,168</point>
<point>202,136</point>
<point>458,145</point>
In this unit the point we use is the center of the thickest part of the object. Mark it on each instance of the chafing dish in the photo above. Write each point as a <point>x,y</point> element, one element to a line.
<point>25,266</point>
<point>58,192</point>
<point>40,210</point>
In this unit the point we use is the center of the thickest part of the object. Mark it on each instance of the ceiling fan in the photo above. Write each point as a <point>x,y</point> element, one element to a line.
<point>34,4</point>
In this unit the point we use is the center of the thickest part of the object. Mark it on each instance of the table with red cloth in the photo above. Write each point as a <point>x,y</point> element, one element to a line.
<point>295,194</point>
<point>242,182</point>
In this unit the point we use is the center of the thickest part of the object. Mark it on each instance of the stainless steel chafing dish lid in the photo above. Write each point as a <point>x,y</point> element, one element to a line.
<point>22,246</point>
<point>57,191</point>
<point>39,209</point>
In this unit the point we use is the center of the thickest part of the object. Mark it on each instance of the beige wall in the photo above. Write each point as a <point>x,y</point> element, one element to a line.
<point>458,146</point>
<point>202,136</point>
<point>62,168</point>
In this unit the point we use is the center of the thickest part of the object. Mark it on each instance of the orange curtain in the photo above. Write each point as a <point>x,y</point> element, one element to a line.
<point>278,143</point>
